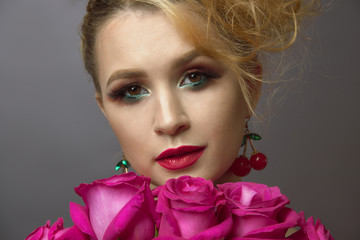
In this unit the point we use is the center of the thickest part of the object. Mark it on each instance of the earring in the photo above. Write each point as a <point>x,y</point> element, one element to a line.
<point>124,164</point>
<point>258,161</point>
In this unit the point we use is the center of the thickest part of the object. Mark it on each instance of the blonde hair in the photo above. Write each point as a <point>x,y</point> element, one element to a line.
<point>231,31</point>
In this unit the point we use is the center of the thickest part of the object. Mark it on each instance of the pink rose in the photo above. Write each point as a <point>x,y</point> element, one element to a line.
<point>258,211</point>
<point>57,232</point>
<point>311,231</point>
<point>192,208</point>
<point>120,207</point>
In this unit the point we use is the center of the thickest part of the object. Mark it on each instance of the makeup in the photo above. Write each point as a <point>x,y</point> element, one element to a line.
<point>180,157</point>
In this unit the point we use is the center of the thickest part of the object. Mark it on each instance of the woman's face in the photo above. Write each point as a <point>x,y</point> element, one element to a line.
<point>173,111</point>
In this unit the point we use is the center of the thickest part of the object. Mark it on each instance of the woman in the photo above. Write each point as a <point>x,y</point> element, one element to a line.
<point>178,81</point>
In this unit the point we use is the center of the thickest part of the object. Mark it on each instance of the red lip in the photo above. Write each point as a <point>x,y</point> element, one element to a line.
<point>181,157</point>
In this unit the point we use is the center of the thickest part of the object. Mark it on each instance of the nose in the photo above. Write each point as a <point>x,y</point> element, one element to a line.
<point>170,118</point>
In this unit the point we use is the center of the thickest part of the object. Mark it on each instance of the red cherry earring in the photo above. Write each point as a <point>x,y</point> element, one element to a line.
<point>258,161</point>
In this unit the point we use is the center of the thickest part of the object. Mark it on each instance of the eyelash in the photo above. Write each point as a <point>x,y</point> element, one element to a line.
<point>196,85</point>
<point>122,93</point>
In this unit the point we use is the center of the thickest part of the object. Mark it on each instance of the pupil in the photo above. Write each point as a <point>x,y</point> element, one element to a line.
<point>134,90</point>
<point>194,77</point>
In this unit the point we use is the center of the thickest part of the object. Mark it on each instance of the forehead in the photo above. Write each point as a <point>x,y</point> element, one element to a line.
<point>130,26</point>
<point>135,38</point>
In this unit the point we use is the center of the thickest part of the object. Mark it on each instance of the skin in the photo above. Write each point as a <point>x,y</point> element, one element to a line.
<point>169,110</point>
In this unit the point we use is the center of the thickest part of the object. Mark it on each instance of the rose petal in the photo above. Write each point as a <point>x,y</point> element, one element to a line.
<point>136,215</point>
<point>219,231</point>
<point>105,198</point>
<point>57,232</point>
<point>191,223</point>
<point>169,238</point>
<point>247,223</point>
<point>104,203</point>
<point>168,224</point>
<point>39,233</point>
<point>189,208</point>
<point>246,238</point>
<point>57,226</point>
<point>115,205</point>
<point>72,233</point>
<point>287,218</point>
<point>247,196</point>
<point>80,217</point>
<point>254,197</point>
<point>310,231</point>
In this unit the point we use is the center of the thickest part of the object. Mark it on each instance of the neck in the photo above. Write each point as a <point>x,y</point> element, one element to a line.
<point>229,176</point>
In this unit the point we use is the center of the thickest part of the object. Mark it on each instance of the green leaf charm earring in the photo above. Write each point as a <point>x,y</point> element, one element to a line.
<point>124,164</point>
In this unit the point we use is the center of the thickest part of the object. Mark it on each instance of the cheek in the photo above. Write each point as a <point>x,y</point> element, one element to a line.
<point>223,126</point>
<point>131,127</point>
<point>132,132</point>
<point>220,111</point>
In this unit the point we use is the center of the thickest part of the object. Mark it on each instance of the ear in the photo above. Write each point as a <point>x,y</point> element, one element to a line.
<point>99,101</point>
<point>255,89</point>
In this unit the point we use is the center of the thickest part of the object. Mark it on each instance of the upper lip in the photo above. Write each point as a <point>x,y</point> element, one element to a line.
<point>178,151</point>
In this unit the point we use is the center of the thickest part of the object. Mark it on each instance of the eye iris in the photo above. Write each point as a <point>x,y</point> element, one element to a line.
<point>194,77</point>
<point>134,90</point>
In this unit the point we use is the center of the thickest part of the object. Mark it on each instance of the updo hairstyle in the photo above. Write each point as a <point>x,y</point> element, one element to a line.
<point>234,32</point>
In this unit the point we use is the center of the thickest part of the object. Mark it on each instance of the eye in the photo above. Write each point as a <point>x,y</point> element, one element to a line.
<point>129,94</point>
<point>134,90</point>
<point>194,79</point>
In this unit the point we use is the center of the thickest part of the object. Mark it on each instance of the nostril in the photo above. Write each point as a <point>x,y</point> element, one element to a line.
<point>181,128</point>
<point>172,128</point>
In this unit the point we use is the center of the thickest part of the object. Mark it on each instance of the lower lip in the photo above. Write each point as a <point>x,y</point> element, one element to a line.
<point>181,161</point>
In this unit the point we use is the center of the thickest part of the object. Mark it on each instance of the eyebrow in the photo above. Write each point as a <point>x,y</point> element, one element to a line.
<point>185,58</point>
<point>126,73</point>
<point>138,73</point>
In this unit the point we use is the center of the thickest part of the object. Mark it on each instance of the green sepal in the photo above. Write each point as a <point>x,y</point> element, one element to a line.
<point>122,163</point>
<point>252,136</point>
<point>118,166</point>
<point>125,163</point>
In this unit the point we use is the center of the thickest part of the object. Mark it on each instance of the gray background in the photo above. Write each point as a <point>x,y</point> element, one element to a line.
<point>53,136</point>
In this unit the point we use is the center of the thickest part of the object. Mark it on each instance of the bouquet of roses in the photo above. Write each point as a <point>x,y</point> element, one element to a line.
<point>123,207</point>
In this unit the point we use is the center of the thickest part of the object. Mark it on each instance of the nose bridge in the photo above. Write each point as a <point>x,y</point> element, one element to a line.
<point>170,117</point>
